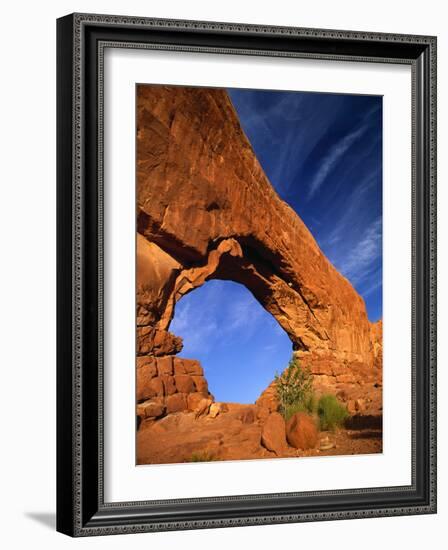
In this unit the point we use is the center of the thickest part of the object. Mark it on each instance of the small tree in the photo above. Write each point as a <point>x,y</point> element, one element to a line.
<point>294,387</point>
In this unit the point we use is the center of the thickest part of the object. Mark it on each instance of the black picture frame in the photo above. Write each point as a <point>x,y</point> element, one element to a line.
<point>81,510</point>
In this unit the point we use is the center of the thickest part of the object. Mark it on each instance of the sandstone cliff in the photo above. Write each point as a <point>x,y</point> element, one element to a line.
<point>205,209</point>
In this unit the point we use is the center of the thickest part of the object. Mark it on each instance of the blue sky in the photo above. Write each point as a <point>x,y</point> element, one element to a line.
<point>239,344</point>
<point>323,155</point>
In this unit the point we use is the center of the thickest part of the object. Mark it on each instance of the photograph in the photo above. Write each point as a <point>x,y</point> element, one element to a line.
<point>259,266</point>
<point>246,273</point>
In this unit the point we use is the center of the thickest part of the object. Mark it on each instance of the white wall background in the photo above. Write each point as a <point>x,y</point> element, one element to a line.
<point>27,274</point>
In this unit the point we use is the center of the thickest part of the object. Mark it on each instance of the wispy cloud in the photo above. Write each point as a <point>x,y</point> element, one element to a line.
<point>335,154</point>
<point>364,255</point>
<point>240,312</point>
<point>277,130</point>
<point>322,153</point>
<point>352,205</point>
<point>373,284</point>
<point>197,327</point>
<point>269,348</point>
<point>236,341</point>
<point>216,315</point>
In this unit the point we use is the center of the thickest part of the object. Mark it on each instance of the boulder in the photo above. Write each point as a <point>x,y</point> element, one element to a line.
<point>301,431</point>
<point>273,434</point>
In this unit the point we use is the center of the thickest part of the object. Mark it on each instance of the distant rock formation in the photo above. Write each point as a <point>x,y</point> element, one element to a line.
<point>206,210</point>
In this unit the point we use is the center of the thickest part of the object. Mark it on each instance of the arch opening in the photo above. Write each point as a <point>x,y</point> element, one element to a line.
<point>240,345</point>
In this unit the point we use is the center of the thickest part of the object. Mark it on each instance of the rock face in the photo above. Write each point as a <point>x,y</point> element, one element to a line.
<point>205,210</point>
<point>376,341</point>
<point>169,384</point>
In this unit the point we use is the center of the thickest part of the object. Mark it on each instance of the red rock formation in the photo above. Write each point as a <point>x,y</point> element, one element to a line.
<point>205,210</point>
<point>376,342</point>
<point>168,384</point>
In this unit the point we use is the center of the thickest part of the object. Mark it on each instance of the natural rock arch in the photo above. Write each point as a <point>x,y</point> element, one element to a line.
<point>205,209</point>
<point>227,262</point>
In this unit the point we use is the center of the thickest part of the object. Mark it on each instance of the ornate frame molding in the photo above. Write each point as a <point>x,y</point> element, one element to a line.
<point>82,39</point>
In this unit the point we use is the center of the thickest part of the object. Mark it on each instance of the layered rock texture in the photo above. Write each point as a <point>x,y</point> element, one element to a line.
<point>206,210</point>
<point>169,384</point>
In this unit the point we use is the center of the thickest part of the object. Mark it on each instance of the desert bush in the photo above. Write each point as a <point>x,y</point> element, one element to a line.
<point>202,456</point>
<point>294,388</point>
<point>308,405</point>
<point>331,412</point>
<point>311,403</point>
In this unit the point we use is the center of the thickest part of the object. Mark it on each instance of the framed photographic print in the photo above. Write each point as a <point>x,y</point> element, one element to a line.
<point>246,274</point>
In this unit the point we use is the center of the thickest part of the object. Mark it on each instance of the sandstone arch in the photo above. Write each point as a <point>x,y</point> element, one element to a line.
<point>205,209</point>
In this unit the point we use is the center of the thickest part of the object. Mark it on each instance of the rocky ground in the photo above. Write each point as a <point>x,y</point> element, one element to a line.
<point>240,434</point>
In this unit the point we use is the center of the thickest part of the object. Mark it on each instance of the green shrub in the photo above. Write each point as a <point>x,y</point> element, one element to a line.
<point>308,405</point>
<point>202,456</point>
<point>332,413</point>
<point>311,403</point>
<point>290,410</point>
<point>294,388</point>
